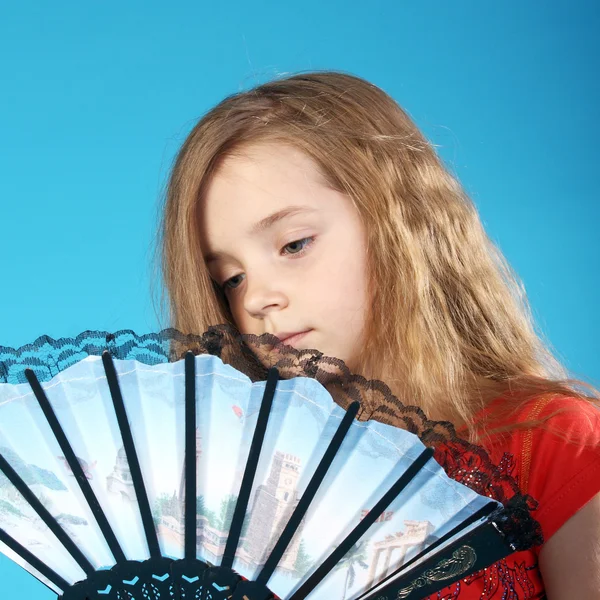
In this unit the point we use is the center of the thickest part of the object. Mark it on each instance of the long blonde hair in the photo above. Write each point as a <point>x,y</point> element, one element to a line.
<point>449,327</point>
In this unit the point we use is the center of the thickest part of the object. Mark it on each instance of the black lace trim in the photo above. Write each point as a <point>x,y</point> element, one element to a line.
<point>253,355</point>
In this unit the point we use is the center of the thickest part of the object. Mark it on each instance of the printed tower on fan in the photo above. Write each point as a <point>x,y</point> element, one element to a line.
<point>274,503</point>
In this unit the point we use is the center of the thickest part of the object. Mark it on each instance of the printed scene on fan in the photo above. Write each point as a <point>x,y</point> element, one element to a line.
<point>302,422</point>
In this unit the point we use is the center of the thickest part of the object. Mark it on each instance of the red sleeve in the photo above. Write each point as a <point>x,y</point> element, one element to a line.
<point>564,474</point>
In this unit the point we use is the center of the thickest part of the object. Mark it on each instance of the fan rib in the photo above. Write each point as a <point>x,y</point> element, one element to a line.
<point>33,560</point>
<point>241,505</point>
<point>308,496</point>
<point>352,538</point>
<point>190,456</point>
<point>73,462</point>
<point>46,517</point>
<point>131,453</point>
<point>480,514</point>
<point>478,548</point>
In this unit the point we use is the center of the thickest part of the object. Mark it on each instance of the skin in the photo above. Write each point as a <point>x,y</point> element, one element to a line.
<point>271,285</point>
<point>570,560</point>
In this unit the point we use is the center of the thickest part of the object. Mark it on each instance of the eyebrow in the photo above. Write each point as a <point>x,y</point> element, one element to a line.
<point>264,225</point>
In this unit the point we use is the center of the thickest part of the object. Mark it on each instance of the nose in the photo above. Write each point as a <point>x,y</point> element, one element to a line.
<point>264,294</point>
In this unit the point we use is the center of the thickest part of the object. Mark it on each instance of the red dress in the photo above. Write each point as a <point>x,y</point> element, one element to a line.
<point>561,475</point>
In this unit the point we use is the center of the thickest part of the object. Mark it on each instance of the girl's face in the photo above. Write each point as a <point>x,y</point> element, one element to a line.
<point>289,252</point>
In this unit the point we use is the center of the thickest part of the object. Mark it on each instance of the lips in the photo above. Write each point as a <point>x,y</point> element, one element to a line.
<point>289,339</point>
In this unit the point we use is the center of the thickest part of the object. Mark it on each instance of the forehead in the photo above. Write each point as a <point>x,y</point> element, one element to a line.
<point>252,184</point>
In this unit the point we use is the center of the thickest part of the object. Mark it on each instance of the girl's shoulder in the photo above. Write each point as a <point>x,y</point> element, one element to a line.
<point>574,420</point>
<point>557,463</point>
<point>570,407</point>
<point>564,424</point>
<point>557,458</point>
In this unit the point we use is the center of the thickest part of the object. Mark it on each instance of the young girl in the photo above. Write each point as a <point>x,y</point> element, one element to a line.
<point>313,208</point>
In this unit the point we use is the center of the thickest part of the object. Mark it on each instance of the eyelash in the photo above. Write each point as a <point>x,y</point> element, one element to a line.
<point>310,240</point>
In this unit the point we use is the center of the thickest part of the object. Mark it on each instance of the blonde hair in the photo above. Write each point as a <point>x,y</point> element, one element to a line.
<point>449,327</point>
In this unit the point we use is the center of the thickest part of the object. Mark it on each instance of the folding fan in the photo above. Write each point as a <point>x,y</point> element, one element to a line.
<point>185,467</point>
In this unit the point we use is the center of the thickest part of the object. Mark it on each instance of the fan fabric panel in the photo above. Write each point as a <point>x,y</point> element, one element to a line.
<point>303,420</point>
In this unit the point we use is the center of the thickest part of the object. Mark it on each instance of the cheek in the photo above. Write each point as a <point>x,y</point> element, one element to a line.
<point>348,283</point>
<point>241,318</point>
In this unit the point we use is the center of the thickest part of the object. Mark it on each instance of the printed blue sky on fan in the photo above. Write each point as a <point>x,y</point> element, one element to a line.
<point>97,97</point>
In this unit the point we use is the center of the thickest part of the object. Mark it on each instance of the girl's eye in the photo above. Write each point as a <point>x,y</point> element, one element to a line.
<point>309,241</point>
<point>230,285</point>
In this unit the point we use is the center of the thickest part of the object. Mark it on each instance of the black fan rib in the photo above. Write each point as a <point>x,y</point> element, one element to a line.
<point>45,515</point>
<point>33,560</point>
<point>241,505</point>
<point>75,467</point>
<point>131,453</point>
<point>352,538</point>
<point>484,511</point>
<point>308,496</point>
<point>190,456</point>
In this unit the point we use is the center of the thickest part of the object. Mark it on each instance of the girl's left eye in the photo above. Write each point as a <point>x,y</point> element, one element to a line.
<point>227,285</point>
<point>310,240</point>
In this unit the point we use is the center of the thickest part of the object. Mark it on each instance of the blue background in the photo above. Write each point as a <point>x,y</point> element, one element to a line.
<point>96,97</point>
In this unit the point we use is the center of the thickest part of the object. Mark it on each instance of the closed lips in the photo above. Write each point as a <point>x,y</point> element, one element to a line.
<point>286,336</point>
